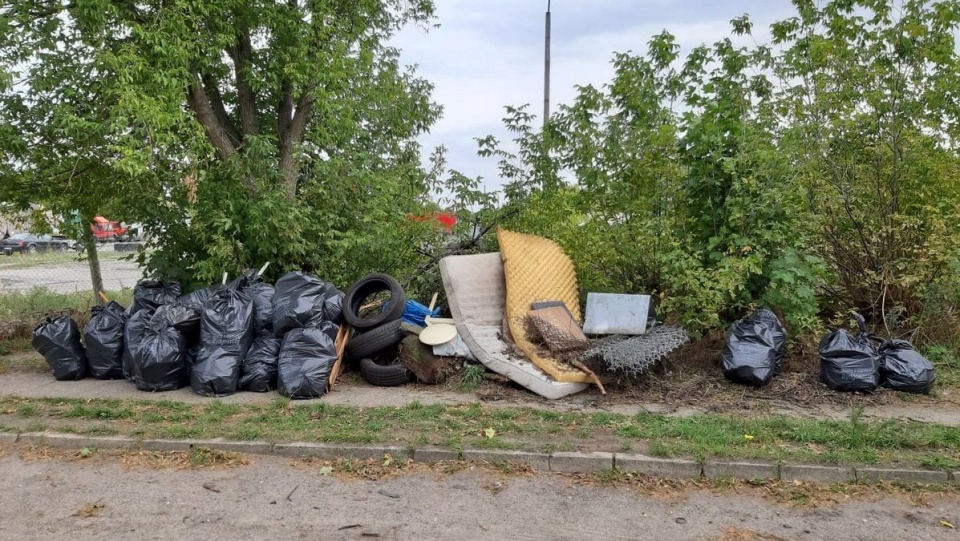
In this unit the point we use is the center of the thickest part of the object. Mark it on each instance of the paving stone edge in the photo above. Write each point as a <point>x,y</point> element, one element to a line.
<point>566,462</point>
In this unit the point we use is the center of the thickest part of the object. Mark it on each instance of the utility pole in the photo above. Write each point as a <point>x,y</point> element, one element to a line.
<point>546,68</point>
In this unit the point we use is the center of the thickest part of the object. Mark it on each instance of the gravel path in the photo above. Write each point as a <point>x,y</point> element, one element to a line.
<point>271,499</point>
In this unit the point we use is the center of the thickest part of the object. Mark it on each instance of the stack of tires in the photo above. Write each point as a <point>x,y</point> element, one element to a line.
<point>377,326</point>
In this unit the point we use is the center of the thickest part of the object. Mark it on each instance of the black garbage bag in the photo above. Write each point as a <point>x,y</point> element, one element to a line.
<point>245,280</point>
<point>132,334</point>
<point>58,340</point>
<point>333,305</point>
<point>258,373</point>
<point>262,296</point>
<point>306,358</point>
<point>768,318</point>
<point>226,331</point>
<point>189,360</point>
<point>902,368</point>
<point>152,294</point>
<point>753,353</point>
<point>301,300</point>
<point>158,359</point>
<point>180,317</point>
<point>103,338</point>
<point>849,362</point>
<point>196,298</point>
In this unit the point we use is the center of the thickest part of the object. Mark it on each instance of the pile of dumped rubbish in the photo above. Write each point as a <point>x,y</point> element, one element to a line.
<point>517,312</point>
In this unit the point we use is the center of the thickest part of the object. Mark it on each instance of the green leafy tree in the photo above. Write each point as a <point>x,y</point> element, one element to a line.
<point>237,131</point>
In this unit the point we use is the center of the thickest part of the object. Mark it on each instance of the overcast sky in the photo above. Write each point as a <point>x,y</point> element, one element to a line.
<point>489,53</point>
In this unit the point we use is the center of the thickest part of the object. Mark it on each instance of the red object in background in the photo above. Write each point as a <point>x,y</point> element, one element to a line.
<point>446,220</point>
<point>103,229</point>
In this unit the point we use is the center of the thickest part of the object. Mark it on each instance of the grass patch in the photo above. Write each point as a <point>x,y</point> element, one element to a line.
<point>854,441</point>
<point>470,378</point>
<point>46,259</point>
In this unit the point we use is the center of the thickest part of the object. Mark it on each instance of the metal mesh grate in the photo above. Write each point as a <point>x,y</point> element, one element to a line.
<point>637,354</point>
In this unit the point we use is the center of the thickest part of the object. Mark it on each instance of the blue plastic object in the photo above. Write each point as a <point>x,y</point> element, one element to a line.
<point>415,313</point>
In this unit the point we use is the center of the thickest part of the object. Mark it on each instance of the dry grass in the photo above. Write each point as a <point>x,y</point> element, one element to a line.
<point>89,510</point>
<point>791,494</point>
<point>744,534</point>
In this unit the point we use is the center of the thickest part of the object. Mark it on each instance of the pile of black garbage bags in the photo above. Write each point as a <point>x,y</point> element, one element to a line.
<point>753,354</point>
<point>244,335</point>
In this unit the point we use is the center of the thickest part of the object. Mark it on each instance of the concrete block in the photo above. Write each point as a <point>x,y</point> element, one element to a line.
<point>433,454</point>
<point>714,469</point>
<point>674,468</point>
<point>816,474</point>
<point>170,446</point>
<point>76,441</point>
<point>956,476</point>
<point>537,461</point>
<point>872,475</point>
<point>581,462</point>
<point>332,451</point>
<point>32,438</point>
<point>248,447</point>
<point>8,438</point>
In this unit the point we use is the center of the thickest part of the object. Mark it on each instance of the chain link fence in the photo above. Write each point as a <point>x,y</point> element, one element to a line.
<point>59,268</point>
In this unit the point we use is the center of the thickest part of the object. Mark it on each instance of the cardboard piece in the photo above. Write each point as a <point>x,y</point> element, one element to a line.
<point>557,329</point>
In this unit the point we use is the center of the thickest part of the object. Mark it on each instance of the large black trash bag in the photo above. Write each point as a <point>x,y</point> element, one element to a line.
<point>753,353</point>
<point>103,338</point>
<point>159,358</point>
<point>902,368</point>
<point>333,305</point>
<point>259,370</point>
<point>196,298</point>
<point>132,334</point>
<point>180,317</point>
<point>58,340</point>
<point>306,358</point>
<point>226,330</point>
<point>189,360</point>
<point>245,280</point>
<point>849,362</point>
<point>301,300</point>
<point>771,320</point>
<point>152,294</point>
<point>262,296</point>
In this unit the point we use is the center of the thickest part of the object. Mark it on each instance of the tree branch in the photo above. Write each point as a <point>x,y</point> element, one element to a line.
<point>292,135</point>
<point>203,110</point>
<point>216,103</point>
<point>242,55</point>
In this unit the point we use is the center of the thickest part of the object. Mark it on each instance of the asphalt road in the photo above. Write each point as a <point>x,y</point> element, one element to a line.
<point>271,499</point>
<point>68,277</point>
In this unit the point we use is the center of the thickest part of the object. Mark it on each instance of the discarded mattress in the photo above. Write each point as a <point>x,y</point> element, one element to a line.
<point>536,270</point>
<point>476,292</point>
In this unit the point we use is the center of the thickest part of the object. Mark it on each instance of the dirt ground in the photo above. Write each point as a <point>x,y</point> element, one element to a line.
<point>120,498</point>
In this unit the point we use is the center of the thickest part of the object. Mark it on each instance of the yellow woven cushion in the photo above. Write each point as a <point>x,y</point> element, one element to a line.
<point>536,269</point>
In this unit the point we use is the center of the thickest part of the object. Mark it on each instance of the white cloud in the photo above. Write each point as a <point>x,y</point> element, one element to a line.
<point>487,55</point>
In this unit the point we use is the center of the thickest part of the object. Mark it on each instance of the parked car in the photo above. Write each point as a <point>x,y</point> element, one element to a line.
<point>31,244</point>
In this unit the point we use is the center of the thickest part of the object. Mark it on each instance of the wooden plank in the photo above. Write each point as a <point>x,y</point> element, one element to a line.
<point>343,336</point>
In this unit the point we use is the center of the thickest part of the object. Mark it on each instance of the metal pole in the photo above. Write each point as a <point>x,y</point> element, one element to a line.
<point>546,68</point>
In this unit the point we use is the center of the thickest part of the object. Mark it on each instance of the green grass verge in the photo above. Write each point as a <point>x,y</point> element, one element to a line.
<point>33,304</point>
<point>773,438</point>
<point>46,259</point>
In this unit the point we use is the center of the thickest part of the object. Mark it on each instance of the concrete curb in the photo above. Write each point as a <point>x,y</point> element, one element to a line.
<point>561,462</point>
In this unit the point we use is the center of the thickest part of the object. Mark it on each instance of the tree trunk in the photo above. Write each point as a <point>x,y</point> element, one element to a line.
<point>93,258</point>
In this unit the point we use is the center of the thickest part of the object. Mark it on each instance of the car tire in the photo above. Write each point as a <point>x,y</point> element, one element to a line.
<point>373,341</point>
<point>383,375</point>
<point>365,287</point>
<point>32,249</point>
